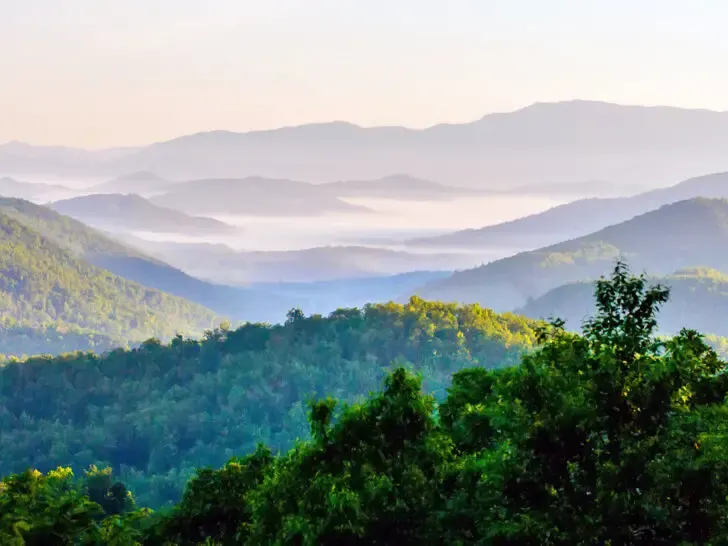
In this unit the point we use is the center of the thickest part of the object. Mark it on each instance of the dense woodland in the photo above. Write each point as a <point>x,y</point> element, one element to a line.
<point>611,436</point>
<point>94,248</point>
<point>43,284</point>
<point>157,412</point>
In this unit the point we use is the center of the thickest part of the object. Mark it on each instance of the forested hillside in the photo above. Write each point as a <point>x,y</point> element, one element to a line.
<point>157,412</point>
<point>44,286</point>
<point>609,437</point>
<point>98,249</point>
<point>695,232</point>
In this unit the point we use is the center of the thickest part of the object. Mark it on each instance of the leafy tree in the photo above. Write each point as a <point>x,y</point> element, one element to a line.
<point>613,437</point>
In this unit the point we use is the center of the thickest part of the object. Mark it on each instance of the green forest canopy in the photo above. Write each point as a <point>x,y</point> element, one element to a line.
<point>157,412</point>
<point>609,437</point>
<point>44,286</point>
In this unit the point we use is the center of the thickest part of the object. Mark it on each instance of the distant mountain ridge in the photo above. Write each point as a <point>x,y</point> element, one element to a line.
<point>133,212</point>
<point>253,196</point>
<point>574,140</point>
<point>397,186</point>
<point>683,234</point>
<point>579,217</point>
<point>568,141</point>
<point>325,263</point>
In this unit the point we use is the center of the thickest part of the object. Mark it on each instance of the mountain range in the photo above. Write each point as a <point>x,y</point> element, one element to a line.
<point>577,218</point>
<point>543,143</point>
<point>222,264</point>
<point>688,233</point>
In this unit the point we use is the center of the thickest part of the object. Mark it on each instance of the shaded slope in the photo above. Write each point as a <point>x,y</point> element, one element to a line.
<point>698,300</point>
<point>100,250</point>
<point>42,284</point>
<point>687,233</point>
<point>579,217</point>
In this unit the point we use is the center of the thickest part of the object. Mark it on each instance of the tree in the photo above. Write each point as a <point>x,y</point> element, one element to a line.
<point>590,436</point>
<point>45,510</point>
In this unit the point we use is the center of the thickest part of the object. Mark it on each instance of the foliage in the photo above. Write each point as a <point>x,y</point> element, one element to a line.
<point>54,509</point>
<point>43,286</point>
<point>613,437</point>
<point>157,412</point>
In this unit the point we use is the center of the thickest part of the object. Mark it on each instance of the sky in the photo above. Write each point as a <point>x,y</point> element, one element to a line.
<point>105,73</point>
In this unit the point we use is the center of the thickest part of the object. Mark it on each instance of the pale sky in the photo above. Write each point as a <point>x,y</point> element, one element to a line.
<point>98,73</point>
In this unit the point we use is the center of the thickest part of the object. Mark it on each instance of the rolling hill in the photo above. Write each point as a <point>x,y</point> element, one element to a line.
<point>687,233</point>
<point>42,284</point>
<point>698,300</point>
<point>102,251</point>
<point>578,217</point>
<point>132,212</point>
<point>253,196</point>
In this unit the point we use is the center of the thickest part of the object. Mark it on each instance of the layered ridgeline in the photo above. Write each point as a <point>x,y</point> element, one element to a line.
<point>46,288</point>
<point>254,196</point>
<point>143,183</point>
<point>610,437</point>
<point>220,263</point>
<point>132,212</point>
<point>690,233</point>
<point>544,142</point>
<point>156,413</point>
<point>577,218</point>
<point>98,249</point>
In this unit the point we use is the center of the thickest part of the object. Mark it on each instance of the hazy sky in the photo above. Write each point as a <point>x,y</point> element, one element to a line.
<point>98,73</point>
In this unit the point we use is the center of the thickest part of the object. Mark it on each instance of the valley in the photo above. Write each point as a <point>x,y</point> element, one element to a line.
<point>223,343</point>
